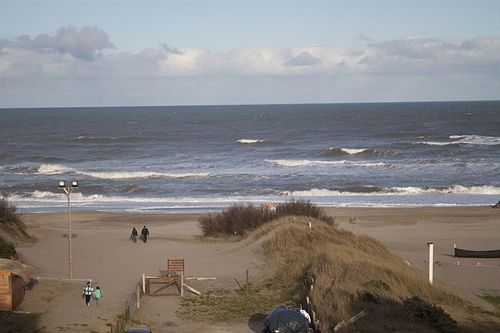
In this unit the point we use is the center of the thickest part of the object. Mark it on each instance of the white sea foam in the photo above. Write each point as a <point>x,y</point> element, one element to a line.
<point>352,151</point>
<point>79,198</point>
<point>466,139</point>
<point>57,169</point>
<point>141,174</point>
<point>53,169</point>
<point>457,189</point>
<point>250,141</point>
<point>299,163</point>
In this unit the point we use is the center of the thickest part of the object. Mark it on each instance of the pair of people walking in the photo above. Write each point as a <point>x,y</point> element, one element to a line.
<point>144,234</point>
<point>88,292</point>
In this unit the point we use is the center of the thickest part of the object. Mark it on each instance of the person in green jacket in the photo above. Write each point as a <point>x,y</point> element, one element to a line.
<point>97,295</point>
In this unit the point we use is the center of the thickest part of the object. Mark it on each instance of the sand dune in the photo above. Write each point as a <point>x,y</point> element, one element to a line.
<point>103,252</point>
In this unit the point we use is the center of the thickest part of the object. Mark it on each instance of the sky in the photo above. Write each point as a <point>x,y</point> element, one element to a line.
<point>127,53</point>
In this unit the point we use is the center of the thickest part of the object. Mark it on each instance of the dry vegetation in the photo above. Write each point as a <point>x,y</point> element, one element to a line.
<point>12,229</point>
<point>350,273</point>
<point>239,220</point>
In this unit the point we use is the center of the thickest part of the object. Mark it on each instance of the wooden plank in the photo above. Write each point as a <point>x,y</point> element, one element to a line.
<point>191,289</point>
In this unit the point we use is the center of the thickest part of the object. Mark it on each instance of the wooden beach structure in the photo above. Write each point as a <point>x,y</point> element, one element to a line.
<point>173,276</point>
<point>14,277</point>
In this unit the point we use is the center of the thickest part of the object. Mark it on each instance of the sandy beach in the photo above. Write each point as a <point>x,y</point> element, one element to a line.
<point>103,253</point>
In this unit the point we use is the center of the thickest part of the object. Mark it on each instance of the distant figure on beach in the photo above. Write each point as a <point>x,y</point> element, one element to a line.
<point>134,235</point>
<point>97,295</point>
<point>87,292</point>
<point>144,234</point>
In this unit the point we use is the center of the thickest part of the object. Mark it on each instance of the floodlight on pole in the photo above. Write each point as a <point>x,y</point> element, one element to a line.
<point>68,188</point>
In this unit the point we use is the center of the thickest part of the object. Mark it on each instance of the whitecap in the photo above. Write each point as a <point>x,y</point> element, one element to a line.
<point>466,139</point>
<point>352,151</point>
<point>299,163</point>
<point>140,174</point>
<point>250,141</point>
<point>53,169</point>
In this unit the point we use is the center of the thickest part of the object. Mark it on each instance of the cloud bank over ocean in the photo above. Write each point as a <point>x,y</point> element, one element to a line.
<point>171,75</point>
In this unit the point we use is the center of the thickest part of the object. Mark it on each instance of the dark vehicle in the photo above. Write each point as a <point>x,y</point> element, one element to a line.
<point>286,320</point>
<point>139,330</point>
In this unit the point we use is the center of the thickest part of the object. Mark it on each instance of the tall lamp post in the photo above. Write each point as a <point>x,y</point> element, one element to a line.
<point>68,188</point>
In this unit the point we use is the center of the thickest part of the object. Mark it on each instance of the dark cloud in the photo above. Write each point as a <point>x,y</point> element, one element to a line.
<point>428,55</point>
<point>303,59</point>
<point>83,43</point>
<point>169,49</point>
<point>363,37</point>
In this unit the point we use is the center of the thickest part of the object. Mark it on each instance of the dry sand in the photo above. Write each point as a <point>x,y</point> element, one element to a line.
<point>103,252</point>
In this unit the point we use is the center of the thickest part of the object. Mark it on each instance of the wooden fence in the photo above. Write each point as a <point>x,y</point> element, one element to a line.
<point>129,307</point>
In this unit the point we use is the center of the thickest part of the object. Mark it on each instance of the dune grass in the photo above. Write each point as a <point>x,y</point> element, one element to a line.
<point>12,228</point>
<point>350,273</point>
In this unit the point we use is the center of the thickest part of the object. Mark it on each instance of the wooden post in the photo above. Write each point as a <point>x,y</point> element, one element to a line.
<point>138,296</point>
<point>247,283</point>
<point>431,261</point>
<point>310,225</point>
<point>182,284</point>
<point>143,283</point>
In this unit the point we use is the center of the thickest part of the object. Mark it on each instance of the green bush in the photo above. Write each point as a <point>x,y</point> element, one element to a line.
<point>8,213</point>
<point>10,220</point>
<point>7,250</point>
<point>432,314</point>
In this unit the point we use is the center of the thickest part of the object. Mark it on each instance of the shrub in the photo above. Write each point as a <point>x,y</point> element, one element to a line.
<point>238,219</point>
<point>10,225</point>
<point>434,315</point>
<point>234,220</point>
<point>8,213</point>
<point>7,250</point>
<point>303,208</point>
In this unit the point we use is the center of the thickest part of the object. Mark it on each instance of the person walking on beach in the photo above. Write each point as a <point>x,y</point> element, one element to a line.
<point>134,234</point>
<point>87,293</point>
<point>97,295</point>
<point>144,234</point>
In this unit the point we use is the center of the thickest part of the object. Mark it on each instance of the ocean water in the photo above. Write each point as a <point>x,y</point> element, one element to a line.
<point>204,158</point>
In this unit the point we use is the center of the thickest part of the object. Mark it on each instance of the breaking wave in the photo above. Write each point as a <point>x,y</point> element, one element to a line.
<point>57,169</point>
<point>141,174</point>
<point>466,139</point>
<point>352,151</point>
<point>336,152</point>
<point>300,163</point>
<point>370,190</point>
<point>250,141</point>
<point>53,169</point>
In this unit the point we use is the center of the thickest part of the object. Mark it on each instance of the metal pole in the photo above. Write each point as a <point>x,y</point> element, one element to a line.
<point>67,189</point>
<point>70,235</point>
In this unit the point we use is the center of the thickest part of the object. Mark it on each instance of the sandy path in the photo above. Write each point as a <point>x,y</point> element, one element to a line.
<point>102,252</point>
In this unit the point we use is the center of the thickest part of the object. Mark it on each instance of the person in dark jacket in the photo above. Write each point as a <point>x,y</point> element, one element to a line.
<point>134,235</point>
<point>144,234</point>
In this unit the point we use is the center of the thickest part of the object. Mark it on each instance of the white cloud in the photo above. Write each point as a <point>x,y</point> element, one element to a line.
<point>73,54</point>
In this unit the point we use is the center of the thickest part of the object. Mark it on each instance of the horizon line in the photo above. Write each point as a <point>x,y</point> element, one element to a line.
<point>249,104</point>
